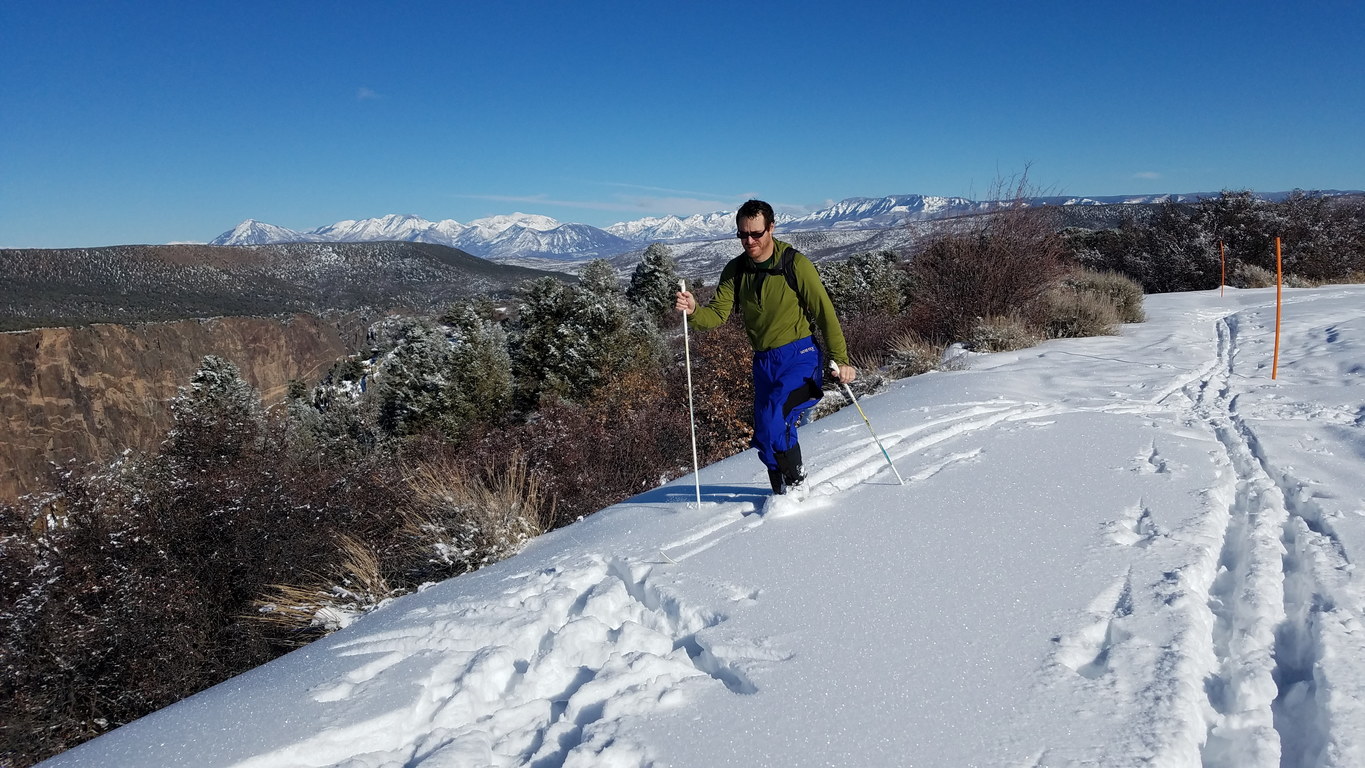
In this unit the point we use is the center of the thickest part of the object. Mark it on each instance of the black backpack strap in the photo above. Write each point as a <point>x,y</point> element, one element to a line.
<point>788,267</point>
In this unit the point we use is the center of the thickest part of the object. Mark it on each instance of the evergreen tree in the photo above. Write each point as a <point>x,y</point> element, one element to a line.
<point>654,285</point>
<point>331,423</point>
<point>410,383</point>
<point>447,378</point>
<point>218,416</point>
<point>599,278</point>
<point>567,342</point>
<point>480,375</point>
<point>867,283</point>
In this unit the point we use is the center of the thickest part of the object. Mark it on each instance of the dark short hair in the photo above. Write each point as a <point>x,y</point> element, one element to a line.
<point>756,208</point>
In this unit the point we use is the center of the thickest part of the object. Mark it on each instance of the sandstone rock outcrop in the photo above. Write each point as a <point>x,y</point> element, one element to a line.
<point>88,393</point>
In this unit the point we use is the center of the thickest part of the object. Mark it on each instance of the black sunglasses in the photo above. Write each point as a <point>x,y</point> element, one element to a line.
<point>742,235</point>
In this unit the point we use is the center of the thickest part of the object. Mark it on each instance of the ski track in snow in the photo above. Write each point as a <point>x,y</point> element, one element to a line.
<point>1272,598</point>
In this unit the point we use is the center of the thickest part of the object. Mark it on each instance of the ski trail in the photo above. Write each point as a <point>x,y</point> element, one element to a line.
<point>863,460</point>
<point>1270,600</point>
<point>719,529</point>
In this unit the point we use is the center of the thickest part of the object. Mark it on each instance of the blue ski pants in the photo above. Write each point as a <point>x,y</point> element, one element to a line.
<point>788,380</point>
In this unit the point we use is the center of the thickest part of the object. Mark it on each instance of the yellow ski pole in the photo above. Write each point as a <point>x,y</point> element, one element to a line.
<point>847,390</point>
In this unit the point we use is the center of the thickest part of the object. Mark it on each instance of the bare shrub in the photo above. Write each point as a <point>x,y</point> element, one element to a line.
<point>1004,265</point>
<point>722,391</point>
<point>140,575</point>
<point>870,336</point>
<point>629,438</point>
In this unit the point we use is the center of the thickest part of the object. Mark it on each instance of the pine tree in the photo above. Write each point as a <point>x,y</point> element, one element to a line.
<point>445,378</point>
<point>480,375</point>
<point>567,342</point>
<point>218,417</point>
<point>599,278</point>
<point>410,384</point>
<point>867,283</point>
<point>654,285</point>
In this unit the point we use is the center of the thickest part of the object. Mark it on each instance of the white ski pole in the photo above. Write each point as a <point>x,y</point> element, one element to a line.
<point>835,368</point>
<point>691,417</point>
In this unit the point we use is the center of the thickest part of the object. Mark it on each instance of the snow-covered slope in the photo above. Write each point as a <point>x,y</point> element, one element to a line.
<point>698,226</point>
<point>252,232</point>
<point>869,213</point>
<point>393,227</point>
<point>1127,551</point>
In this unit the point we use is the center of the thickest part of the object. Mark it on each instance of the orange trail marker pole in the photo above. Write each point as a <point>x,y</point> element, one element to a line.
<point>1279,304</point>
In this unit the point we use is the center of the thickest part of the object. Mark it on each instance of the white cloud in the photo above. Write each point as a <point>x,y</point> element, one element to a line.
<point>366,94</point>
<point>1147,175</point>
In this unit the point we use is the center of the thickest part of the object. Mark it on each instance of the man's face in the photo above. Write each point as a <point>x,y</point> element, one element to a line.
<point>758,248</point>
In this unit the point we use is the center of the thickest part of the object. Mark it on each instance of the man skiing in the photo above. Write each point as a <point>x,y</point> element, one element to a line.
<point>780,298</point>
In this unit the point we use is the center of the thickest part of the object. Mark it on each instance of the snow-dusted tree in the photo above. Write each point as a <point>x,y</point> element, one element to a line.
<point>480,379</point>
<point>1324,237</point>
<point>567,341</point>
<point>1246,224</point>
<point>218,417</point>
<point>410,384</point>
<point>445,378</point>
<point>599,278</point>
<point>867,283</point>
<point>654,284</point>
<point>1172,252</point>
<point>332,422</point>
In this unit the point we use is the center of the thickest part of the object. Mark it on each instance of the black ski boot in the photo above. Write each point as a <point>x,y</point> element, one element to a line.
<point>778,482</point>
<point>791,469</point>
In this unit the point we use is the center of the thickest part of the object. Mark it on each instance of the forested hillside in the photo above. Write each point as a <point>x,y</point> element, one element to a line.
<point>138,283</point>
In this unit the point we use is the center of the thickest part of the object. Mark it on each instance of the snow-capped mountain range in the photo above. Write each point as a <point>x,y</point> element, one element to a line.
<point>521,235</point>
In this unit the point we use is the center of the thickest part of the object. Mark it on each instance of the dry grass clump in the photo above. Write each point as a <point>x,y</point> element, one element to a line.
<point>911,354</point>
<point>465,519</point>
<point>1123,292</point>
<point>1002,333</point>
<point>1074,313</point>
<point>1251,276</point>
<point>300,614</point>
<point>1352,278</point>
<point>460,519</point>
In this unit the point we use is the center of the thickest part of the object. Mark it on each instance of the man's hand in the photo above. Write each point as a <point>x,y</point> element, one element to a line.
<point>844,374</point>
<point>686,302</point>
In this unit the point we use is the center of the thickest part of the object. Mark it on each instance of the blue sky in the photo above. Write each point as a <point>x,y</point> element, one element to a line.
<point>152,122</point>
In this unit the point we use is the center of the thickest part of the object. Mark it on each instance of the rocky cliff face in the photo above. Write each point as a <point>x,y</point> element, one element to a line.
<point>88,393</point>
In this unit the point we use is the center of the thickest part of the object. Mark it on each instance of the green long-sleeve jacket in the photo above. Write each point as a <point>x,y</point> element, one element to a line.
<point>771,310</point>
